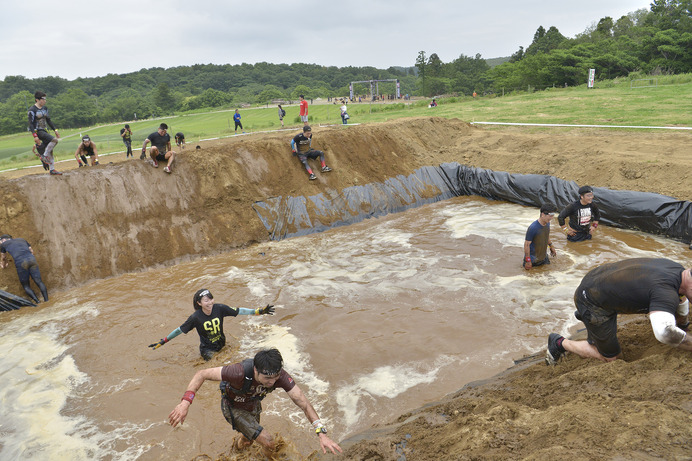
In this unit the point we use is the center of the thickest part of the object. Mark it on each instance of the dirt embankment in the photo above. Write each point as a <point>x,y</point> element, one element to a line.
<point>125,216</point>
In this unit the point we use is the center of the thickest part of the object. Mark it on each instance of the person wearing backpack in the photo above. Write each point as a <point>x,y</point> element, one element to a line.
<point>282,114</point>
<point>243,386</point>
<point>208,321</point>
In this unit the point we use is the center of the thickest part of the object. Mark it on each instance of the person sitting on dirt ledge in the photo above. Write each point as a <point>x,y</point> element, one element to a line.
<point>243,386</point>
<point>86,148</point>
<point>160,148</point>
<point>537,239</point>
<point>24,262</point>
<point>659,287</point>
<point>583,216</point>
<point>208,320</point>
<point>301,145</point>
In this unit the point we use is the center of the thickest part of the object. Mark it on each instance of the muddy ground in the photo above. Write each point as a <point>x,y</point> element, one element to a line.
<point>125,215</point>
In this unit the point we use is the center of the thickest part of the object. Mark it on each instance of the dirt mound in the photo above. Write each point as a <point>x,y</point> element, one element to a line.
<point>636,408</point>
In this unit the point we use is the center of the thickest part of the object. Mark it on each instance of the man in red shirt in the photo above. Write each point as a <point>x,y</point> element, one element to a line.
<point>303,110</point>
<point>243,386</point>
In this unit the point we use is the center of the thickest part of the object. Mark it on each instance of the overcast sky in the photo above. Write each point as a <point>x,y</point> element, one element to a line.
<point>89,38</point>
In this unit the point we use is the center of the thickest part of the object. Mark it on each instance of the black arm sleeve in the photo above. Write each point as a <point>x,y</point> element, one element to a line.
<point>564,213</point>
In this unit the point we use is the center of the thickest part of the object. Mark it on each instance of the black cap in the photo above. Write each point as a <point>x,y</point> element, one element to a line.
<point>585,190</point>
<point>5,236</point>
<point>306,128</point>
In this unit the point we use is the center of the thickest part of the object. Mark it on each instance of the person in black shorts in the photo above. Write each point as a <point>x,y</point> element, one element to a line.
<point>39,121</point>
<point>25,262</point>
<point>583,216</point>
<point>208,320</point>
<point>126,135</point>
<point>160,148</point>
<point>180,140</point>
<point>86,148</point>
<point>301,145</point>
<point>658,287</point>
<point>243,386</point>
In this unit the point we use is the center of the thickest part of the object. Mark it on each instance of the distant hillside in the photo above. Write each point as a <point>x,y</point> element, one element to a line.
<point>492,62</point>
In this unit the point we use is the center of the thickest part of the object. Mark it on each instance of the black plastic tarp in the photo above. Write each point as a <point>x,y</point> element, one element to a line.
<point>291,216</point>
<point>10,302</point>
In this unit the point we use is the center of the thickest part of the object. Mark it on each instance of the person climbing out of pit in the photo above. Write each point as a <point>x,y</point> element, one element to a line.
<point>301,145</point>
<point>659,288</point>
<point>86,148</point>
<point>208,320</point>
<point>24,262</point>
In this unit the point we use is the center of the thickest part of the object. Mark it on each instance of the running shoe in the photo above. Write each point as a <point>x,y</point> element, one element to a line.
<point>312,176</point>
<point>55,172</point>
<point>326,169</point>
<point>155,163</point>
<point>143,156</point>
<point>167,170</point>
<point>553,353</point>
<point>96,162</point>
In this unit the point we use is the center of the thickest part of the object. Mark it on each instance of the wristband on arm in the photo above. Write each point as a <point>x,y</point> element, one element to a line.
<point>189,396</point>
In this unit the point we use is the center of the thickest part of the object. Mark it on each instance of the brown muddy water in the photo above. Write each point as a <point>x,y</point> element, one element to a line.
<point>373,320</point>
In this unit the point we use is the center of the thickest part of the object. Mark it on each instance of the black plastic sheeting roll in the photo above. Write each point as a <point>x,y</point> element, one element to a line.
<point>292,216</point>
<point>10,302</point>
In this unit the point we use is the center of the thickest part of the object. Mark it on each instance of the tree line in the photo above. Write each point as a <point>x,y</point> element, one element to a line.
<point>645,42</point>
<point>654,41</point>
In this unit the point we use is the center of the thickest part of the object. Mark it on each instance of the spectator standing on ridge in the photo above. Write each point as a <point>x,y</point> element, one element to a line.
<point>86,148</point>
<point>282,114</point>
<point>538,240</point>
<point>303,110</point>
<point>160,148</point>
<point>301,145</point>
<point>126,135</point>
<point>243,387</point>
<point>657,287</point>
<point>208,320</point>
<point>39,120</point>
<point>24,262</point>
<point>344,113</point>
<point>583,216</point>
<point>236,119</point>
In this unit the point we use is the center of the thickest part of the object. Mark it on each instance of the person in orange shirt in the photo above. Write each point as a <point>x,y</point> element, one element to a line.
<point>303,110</point>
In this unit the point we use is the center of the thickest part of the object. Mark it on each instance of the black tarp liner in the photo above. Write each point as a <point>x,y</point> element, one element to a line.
<point>9,302</point>
<point>292,216</point>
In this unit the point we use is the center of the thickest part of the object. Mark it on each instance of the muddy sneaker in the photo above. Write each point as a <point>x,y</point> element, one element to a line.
<point>155,163</point>
<point>96,162</point>
<point>553,353</point>
<point>167,170</point>
<point>312,176</point>
<point>143,156</point>
<point>326,169</point>
<point>55,172</point>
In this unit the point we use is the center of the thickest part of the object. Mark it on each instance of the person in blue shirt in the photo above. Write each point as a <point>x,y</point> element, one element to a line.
<point>24,262</point>
<point>538,240</point>
<point>208,321</point>
<point>236,119</point>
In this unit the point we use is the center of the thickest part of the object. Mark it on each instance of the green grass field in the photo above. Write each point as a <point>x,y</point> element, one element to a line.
<point>610,103</point>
